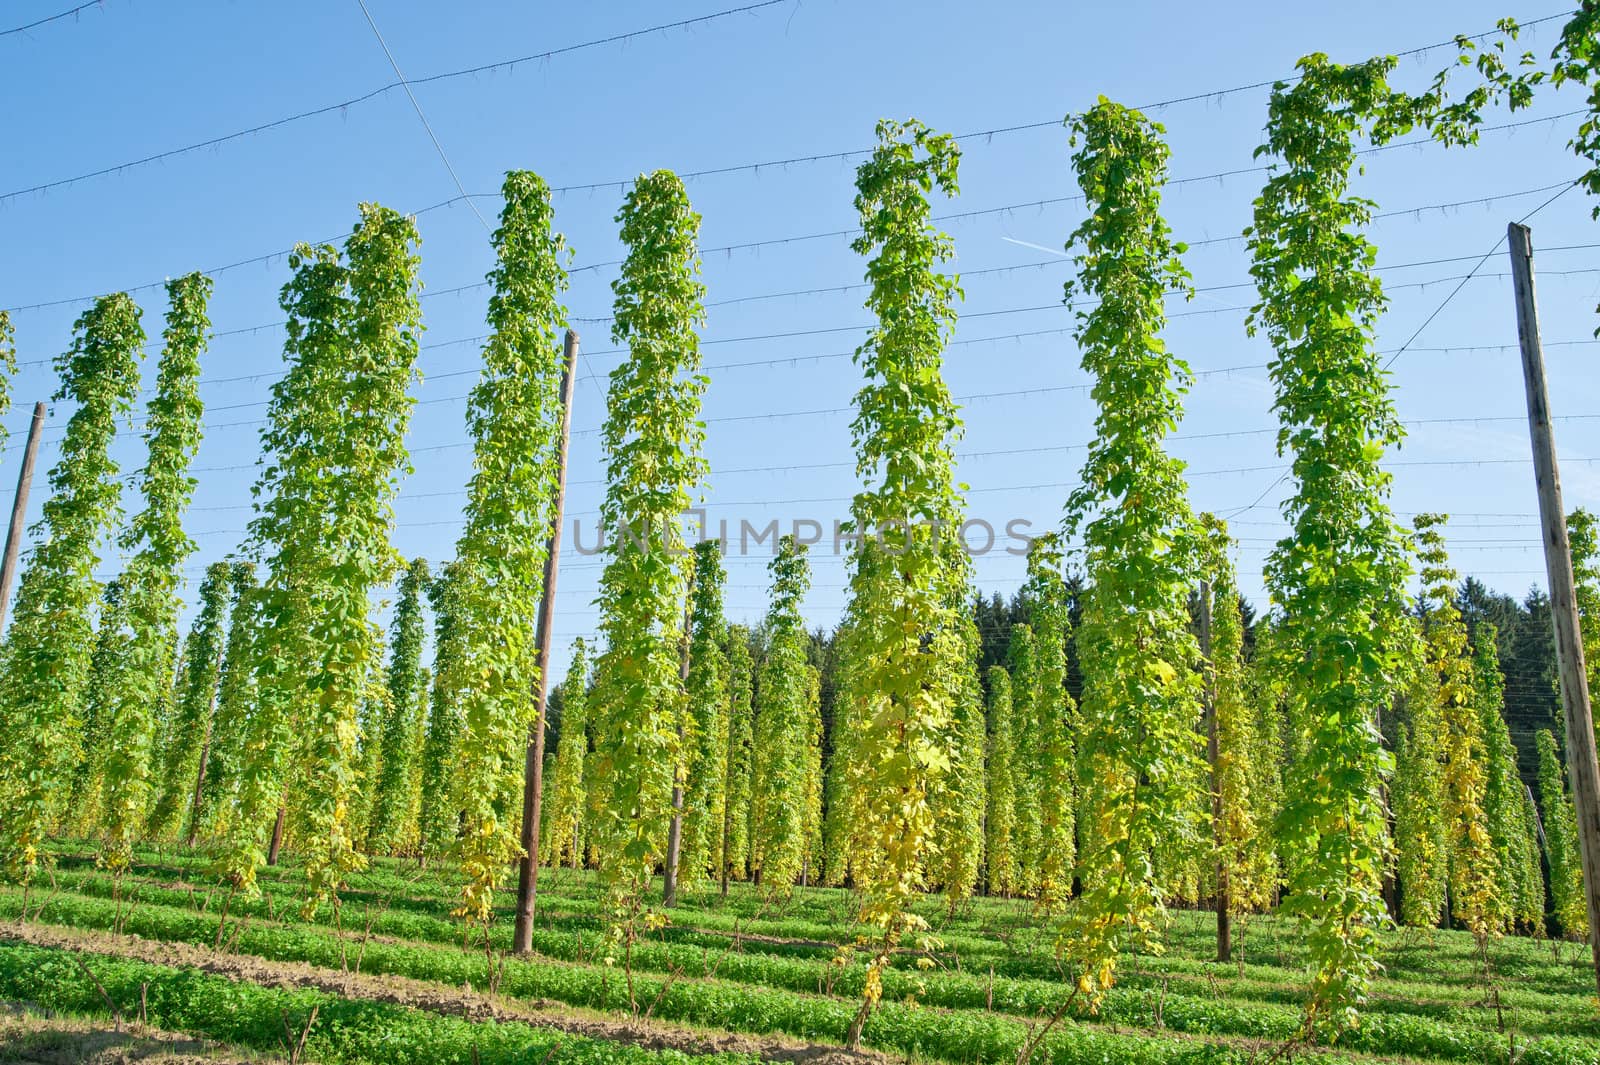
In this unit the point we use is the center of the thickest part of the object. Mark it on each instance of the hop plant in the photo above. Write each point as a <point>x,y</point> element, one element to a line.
<point>1518,876</point>
<point>1471,859</point>
<point>187,755</point>
<point>335,434</point>
<point>1244,857</point>
<point>562,838</point>
<point>438,815</point>
<point>1567,899</point>
<point>706,732</point>
<point>1339,577</point>
<point>905,427</point>
<point>654,467</point>
<point>160,547</point>
<point>8,368</point>
<point>391,798</point>
<point>235,697</point>
<point>1138,752</point>
<point>514,416</point>
<point>1000,820</point>
<point>741,741</point>
<point>47,650</point>
<point>782,727</point>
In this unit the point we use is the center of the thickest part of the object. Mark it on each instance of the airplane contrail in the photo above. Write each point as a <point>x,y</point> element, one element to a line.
<point>1035,247</point>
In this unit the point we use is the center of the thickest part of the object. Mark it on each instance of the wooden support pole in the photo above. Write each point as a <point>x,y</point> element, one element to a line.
<point>276,846</point>
<point>19,511</point>
<point>1581,762</point>
<point>533,771</point>
<point>196,802</point>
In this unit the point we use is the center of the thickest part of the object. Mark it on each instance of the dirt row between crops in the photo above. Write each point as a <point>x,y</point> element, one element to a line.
<point>28,1037</point>
<point>416,994</point>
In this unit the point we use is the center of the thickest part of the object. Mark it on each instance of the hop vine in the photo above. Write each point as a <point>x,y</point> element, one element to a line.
<point>183,770</point>
<point>906,642</point>
<point>1338,579</point>
<point>160,546</point>
<point>706,692</point>
<point>1138,753</point>
<point>336,428</point>
<point>439,817</point>
<point>999,846</point>
<point>8,369</point>
<point>1516,868</point>
<point>235,702</point>
<point>563,835</point>
<point>651,440</point>
<point>782,727</point>
<point>1568,903</point>
<point>391,805</point>
<point>741,743</point>
<point>515,420</point>
<point>1471,859</point>
<point>46,655</point>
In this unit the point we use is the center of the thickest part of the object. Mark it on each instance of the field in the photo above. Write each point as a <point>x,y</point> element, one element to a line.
<point>390,981</point>
<point>273,813</point>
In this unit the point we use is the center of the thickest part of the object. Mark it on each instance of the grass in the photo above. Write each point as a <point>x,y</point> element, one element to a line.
<point>730,965</point>
<point>350,1031</point>
<point>35,1036</point>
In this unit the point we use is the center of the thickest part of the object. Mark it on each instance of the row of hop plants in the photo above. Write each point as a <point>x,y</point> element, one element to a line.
<point>1105,811</point>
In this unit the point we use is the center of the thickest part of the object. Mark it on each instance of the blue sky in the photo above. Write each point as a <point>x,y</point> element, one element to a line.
<point>124,80</point>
